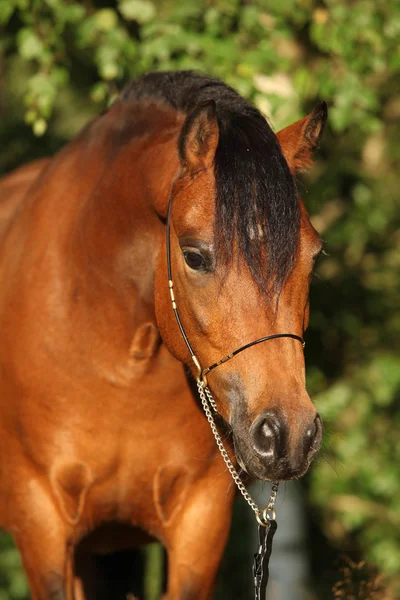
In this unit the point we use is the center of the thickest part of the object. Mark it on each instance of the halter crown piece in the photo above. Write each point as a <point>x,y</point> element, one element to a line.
<point>266,517</point>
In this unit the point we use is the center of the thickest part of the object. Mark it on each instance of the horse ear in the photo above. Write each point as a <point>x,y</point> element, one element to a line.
<point>198,140</point>
<point>298,141</point>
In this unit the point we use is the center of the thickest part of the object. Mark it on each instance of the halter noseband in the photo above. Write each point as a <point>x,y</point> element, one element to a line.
<point>202,373</point>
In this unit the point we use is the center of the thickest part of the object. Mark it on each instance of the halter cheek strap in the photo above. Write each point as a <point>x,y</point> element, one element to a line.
<point>202,373</point>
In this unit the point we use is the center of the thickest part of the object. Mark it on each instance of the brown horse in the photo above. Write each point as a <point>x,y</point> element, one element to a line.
<point>103,444</point>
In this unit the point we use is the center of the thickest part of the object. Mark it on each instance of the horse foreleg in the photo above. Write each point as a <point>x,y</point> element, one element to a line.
<point>42,537</point>
<point>196,544</point>
<point>48,566</point>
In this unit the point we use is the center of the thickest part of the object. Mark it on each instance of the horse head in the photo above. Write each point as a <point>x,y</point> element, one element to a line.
<point>242,251</point>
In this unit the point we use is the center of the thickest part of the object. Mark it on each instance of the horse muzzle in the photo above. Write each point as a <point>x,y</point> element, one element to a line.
<point>271,451</point>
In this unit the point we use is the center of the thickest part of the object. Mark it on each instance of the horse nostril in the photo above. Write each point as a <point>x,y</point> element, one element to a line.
<point>311,432</point>
<point>266,437</point>
<point>313,436</point>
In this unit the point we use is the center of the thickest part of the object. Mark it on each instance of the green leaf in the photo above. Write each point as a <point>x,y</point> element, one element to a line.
<point>141,11</point>
<point>7,7</point>
<point>39,127</point>
<point>72,13</point>
<point>106,19</point>
<point>99,92</point>
<point>30,46</point>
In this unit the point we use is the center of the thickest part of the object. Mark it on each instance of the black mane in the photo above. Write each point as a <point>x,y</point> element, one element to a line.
<point>256,201</point>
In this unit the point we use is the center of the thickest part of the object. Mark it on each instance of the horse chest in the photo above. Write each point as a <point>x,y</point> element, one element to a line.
<point>139,469</point>
<point>114,454</point>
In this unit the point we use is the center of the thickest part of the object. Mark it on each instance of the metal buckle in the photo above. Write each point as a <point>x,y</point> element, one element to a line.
<point>201,376</point>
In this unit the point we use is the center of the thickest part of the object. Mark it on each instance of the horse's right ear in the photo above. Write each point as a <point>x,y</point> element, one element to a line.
<point>198,140</point>
<point>299,140</point>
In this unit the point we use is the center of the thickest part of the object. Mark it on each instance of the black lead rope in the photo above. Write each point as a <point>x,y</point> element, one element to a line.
<point>261,559</point>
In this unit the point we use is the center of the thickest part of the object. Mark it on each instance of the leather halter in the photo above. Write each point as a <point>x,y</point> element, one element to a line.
<point>202,373</point>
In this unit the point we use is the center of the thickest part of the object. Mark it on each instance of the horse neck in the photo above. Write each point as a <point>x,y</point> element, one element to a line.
<point>121,229</point>
<point>102,195</point>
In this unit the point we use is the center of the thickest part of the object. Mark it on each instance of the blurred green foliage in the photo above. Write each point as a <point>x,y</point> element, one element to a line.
<point>63,61</point>
<point>13,584</point>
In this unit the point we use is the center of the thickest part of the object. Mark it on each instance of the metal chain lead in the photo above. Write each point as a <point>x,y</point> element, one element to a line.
<point>263,516</point>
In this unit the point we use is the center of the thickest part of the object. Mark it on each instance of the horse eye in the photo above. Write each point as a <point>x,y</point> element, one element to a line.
<point>194,260</point>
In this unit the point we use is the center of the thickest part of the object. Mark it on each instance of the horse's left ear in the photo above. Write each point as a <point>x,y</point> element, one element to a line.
<point>199,137</point>
<point>298,141</point>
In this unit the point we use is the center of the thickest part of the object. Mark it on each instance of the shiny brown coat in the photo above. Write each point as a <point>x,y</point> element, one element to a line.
<point>100,433</point>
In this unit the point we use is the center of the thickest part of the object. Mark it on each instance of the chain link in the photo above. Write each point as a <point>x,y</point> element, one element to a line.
<point>263,516</point>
